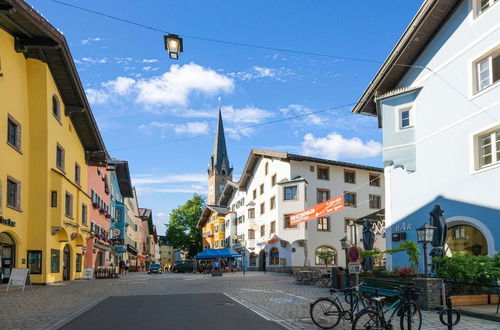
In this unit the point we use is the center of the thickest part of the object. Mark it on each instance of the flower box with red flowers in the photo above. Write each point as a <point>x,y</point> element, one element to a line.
<point>95,205</point>
<point>108,216</point>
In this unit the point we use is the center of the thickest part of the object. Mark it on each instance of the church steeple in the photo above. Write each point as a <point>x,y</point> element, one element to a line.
<point>219,170</point>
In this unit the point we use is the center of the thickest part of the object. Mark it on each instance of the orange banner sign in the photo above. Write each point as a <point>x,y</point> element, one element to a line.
<point>317,211</point>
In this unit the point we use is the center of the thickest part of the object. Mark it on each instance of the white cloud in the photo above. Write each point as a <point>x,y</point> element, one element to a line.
<point>189,189</point>
<point>171,178</point>
<point>190,128</point>
<point>89,41</point>
<point>257,72</point>
<point>264,72</point>
<point>230,114</point>
<point>335,146</point>
<point>174,86</point>
<point>297,109</point>
<point>96,96</point>
<point>152,60</point>
<point>120,86</point>
<point>94,60</point>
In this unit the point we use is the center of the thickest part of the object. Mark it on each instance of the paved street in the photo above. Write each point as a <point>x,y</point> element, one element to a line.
<point>175,301</point>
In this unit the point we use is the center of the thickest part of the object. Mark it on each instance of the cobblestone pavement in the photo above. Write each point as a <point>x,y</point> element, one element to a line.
<point>272,296</point>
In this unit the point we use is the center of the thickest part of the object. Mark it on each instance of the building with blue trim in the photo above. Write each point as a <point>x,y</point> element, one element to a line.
<point>437,99</point>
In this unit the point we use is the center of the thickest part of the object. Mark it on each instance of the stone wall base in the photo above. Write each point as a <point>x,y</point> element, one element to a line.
<point>431,292</point>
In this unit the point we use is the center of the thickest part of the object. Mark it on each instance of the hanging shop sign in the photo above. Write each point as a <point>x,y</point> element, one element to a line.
<point>317,211</point>
<point>273,240</point>
<point>7,222</point>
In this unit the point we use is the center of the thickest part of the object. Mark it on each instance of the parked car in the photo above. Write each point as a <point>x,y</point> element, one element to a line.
<point>183,266</point>
<point>154,268</point>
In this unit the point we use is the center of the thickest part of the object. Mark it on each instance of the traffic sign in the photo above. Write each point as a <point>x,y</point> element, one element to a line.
<point>354,268</point>
<point>353,254</point>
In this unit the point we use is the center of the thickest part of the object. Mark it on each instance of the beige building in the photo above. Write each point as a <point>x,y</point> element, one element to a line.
<point>167,253</point>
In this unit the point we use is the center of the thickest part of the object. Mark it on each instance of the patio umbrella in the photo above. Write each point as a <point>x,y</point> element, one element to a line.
<point>368,240</point>
<point>439,221</point>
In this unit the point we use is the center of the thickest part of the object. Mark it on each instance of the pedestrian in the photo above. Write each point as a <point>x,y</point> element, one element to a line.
<point>126,267</point>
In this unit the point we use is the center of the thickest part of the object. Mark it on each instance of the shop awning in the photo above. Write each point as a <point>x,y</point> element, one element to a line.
<point>217,253</point>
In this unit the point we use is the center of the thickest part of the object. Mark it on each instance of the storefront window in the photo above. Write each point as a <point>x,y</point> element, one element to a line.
<point>275,256</point>
<point>54,261</point>
<point>253,259</point>
<point>78,262</point>
<point>466,238</point>
<point>35,261</point>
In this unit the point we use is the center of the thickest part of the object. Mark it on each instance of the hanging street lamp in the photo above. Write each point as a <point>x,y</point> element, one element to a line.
<point>425,234</point>
<point>173,44</point>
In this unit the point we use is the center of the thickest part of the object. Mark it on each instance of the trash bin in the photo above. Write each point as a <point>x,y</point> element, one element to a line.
<point>336,277</point>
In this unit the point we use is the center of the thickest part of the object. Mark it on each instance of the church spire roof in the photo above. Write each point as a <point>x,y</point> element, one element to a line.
<point>220,158</point>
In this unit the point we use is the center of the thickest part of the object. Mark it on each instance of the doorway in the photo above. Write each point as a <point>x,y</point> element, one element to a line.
<point>262,260</point>
<point>66,264</point>
<point>7,256</point>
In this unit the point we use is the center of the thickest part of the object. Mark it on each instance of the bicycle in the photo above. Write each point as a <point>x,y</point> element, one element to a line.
<point>326,312</point>
<point>374,316</point>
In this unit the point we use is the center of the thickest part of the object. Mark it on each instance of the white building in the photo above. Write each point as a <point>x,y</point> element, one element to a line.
<point>437,97</point>
<point>275,185</point>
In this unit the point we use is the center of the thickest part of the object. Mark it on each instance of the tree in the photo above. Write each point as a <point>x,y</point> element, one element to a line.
<point>326,255</point>
<point>182,230</point>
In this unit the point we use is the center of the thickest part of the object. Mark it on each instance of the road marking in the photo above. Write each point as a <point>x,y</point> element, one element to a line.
<point>293,295</point>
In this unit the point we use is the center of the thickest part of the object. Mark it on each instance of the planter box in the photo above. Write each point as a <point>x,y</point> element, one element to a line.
<point>494,299</point>
<point>468,300</point>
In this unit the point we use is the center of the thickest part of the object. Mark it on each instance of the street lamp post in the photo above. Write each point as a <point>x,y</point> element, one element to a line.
<point>345,247</point>
<point>173,43</point>
<point>425,234</point>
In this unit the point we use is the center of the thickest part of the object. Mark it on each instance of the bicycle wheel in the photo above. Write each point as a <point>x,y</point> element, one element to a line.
<point>368,319</point>
<point>410,314</point>
<point>325,313</point>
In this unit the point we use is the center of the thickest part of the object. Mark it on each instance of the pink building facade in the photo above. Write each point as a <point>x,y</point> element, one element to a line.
<point>99,247</point>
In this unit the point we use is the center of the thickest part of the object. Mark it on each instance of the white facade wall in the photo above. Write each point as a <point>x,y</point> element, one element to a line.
<point>293,241</point>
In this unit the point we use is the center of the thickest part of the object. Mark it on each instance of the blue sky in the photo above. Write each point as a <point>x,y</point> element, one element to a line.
<point>140,97</point>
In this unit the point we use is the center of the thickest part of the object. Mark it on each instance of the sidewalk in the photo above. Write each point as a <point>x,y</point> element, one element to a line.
<point>488,312</point>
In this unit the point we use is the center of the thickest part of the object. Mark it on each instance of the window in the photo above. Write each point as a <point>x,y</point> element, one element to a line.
<point>216,228</point>
<point>56,109</point>
<point>84,214</point>
<point>60,157</point>
<point>266,169</point>
<point>254,193</point>
<point>489,148</point>
<point>53,199</point>
<point>253,259</point>
<point>349,176</point>
<point>262,208</point>
<point>13,193</point>
<point>261,189</point>
<point>323,173</point>
<point>273,180</point>
<point>262,230</point>
<point>78,263</point>
<point>251,213</point>
<point>326,253</point>
<point>322,195</point>
<point>350,199</point>
<point>286,222</point>
<point>13,133</point>
<point>482,5</point>
<point>405,118</point>
<point>273,227</point>
<point>375,201</point>
<point>323,224</point>
<point>274,255</point>
<point>311,168</point>
<point>216,243</point>
<point>272,203</point>
<point>54,261</point>
<point>35,261</point>
<point>77,174</point>
<point>221,243</point>
<point>290,193</point>
<point>251,234</point>
<point>69,205</point>
<point>374,180</point>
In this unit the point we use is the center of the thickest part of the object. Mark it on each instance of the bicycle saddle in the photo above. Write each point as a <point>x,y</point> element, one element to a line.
<point>332,290</point>
<point>378,299</point>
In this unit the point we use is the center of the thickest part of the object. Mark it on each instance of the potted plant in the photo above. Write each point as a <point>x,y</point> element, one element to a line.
<point>95,205</point>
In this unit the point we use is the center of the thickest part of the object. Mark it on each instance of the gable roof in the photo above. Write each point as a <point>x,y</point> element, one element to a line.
<point>429,19</point>
<point>36,38</point>
<point>208,210</point>
<point>123,176</point>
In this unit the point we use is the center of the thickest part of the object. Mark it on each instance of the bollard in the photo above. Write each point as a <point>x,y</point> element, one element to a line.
<point>450,313</point>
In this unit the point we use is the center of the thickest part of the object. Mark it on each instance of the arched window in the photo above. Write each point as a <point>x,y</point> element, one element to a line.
<point>274,256</point>
<point>253,259</point>
<point>466,238</point>
<point>328,253</point>
<point>56,108</point>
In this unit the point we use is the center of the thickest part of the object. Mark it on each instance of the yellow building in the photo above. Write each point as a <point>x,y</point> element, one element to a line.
<point>167,253</point>
<point>51,137</point>
<point>212,226</point>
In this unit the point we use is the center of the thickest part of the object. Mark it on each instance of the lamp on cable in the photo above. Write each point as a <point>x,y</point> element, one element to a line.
<point>173,44</point>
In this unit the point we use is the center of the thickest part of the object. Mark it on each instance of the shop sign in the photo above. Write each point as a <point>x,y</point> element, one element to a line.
<point>403,226</point>
<point>317,211</point>
<point>7,222</point>
<point>88,273</point>
<point>273,240</point>
<point>19,277</point>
